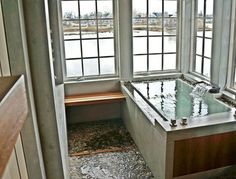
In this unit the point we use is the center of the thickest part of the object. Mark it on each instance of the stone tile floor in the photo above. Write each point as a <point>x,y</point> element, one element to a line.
<point>89,159</point>
<point>114,165</point>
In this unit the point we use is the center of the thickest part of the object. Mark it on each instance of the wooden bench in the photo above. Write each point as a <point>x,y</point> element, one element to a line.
<point>94,98</point>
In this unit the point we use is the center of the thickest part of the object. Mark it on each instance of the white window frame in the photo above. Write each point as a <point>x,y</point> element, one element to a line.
<point>194,42</point>
<point>231,86</point>
<point>116,56</point>
<point>178,46</point>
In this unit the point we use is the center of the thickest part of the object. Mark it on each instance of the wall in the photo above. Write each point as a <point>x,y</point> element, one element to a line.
<point>16,167</point>
<point>48,95</point>
<point>89,113</point>
<point>11,44</point>
<point>28,49</point>
<point>4,63</point>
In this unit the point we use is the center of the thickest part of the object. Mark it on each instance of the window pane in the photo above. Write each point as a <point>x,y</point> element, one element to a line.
<point>140,63</point>
<point>169,61</point>
<point>105,28</point>
<point>209,8</point>
<point>208,29</point>
<point>139,8</point>
<point>207,67</point>
<point>208,48</point>
<point>200,8</point>
<point>204,25</point>
<point>169,44</point>
<point>170,8</point>
<point>199,46</point>
<point>89,37</point>
<point>107,66</point>
<point>69,10</point>
<point>155,26</point>
<point>199,25</point>
<point>106,47</point>
<point>155,44</point>
<point>139,27</point>
<point>73,68</point>
<point>87,9</point>
<point>71,29</point>
<point>90,66</point>
<point>170,26</point>
<point>72,49</point>
<point>160,35</point>
<point>155,8</point>
<point>155,62</point>
<point>105,9</point>
<point>89,29</point>
<point>140,45</point>
<point>198,64</point>
<point>89,48</point>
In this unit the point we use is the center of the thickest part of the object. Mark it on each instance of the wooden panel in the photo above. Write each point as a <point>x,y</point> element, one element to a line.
<point>6,84</point>
<point>204,153</point>
<point>95,98</point>
<point>13,113</point>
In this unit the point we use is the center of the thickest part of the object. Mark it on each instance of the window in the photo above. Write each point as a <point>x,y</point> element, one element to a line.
<point>203,36</point>
<point>234,77</point>
<point>232,74</point>
<point>89,41</point>
<point>154,35</point>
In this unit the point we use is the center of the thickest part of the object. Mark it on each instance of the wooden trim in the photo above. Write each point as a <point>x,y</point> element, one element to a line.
<point>94,98</point>
<point>13,113</point>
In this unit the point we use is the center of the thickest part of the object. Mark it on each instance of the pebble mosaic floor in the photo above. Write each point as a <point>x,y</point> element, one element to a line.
<point>88,143</point>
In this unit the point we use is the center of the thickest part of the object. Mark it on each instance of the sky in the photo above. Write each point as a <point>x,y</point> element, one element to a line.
<point>209,6</point>
<point>88,6</point>
<point>155,6</point>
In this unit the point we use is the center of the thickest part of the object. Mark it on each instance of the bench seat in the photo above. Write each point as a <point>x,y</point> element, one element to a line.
<point>94,98</point>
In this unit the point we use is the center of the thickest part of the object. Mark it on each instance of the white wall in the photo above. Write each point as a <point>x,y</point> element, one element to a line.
<point>4,64</point>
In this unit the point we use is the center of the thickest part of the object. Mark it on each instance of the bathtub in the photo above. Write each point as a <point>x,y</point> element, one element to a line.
<point>202,148</point>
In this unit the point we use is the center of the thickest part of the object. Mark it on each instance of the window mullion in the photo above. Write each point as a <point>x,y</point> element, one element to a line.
<point>147,35</point>
<point>203,39</point>
<point>98,47</point>
<point>162,37</point>
<point>81,44</point>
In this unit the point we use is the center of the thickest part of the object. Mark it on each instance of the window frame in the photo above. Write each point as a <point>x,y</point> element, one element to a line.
<point>97,38</point>
<point>178,42</point>
<point>230,83</point>
<point>194,42</point>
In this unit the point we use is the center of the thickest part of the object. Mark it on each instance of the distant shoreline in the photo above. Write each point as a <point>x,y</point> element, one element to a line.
<point>138,28</point>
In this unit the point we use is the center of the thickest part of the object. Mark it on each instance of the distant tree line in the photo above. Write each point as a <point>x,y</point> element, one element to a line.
<point>92,15</point>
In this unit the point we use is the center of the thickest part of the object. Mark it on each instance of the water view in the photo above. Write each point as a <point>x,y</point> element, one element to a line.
<point>90,44</point>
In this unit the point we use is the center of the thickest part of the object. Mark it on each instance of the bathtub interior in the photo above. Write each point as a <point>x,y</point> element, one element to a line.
<point>172,99</point>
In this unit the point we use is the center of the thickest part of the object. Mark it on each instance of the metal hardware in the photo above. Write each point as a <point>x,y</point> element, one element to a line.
<point>173,123</point>
<point>184,121</point>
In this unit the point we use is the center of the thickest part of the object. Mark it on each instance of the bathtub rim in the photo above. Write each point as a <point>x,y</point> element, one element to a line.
<point>222,118</point>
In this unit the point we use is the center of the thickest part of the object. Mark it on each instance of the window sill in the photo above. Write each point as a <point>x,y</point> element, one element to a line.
<point>162,75</point>
<point>230,93</point>
<point>91,80</point>
<point>196,77</point>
